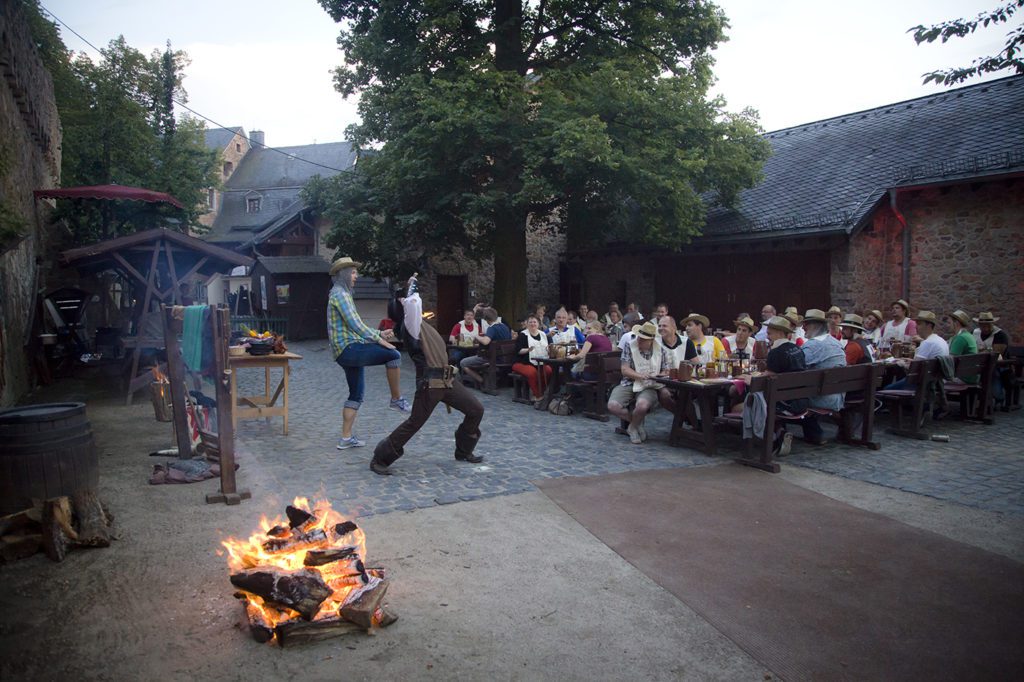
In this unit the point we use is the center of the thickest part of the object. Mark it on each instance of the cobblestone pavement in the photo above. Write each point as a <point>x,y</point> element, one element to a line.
<point>980,466</point>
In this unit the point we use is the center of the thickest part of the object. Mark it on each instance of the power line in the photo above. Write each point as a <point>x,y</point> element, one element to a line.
<point>202,116</point>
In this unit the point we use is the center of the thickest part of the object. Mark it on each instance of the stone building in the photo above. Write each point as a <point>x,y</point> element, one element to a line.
<point>232,144</point>
<point>29,160</point>
<point>921,200</point>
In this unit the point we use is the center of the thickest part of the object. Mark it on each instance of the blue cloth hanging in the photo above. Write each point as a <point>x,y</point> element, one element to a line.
<point>192,336</point>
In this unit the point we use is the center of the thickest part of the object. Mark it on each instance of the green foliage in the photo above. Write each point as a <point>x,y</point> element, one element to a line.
<point>1010,58</point>
<point>119,128</point>
<point>479,115</point>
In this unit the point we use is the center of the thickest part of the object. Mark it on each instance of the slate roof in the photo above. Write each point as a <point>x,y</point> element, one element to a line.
<point>829,175</point>
<point>218,138</point>
<point>278,178</point>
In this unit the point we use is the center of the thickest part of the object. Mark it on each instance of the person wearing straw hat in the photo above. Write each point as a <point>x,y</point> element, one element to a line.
<point>741,344</point>
<point>962,342</point>
<point>991,338</point>
<point>873,322</point>
<point>709,348</point>
<point>821,351</point>
<point>642,360</point>
<point>932,345</point>
<point>900,327</point>
<point>784,356</point>
<point>797,321</point>
<point>858,349</point>
<point>835,318</point>
<point>357,346</point>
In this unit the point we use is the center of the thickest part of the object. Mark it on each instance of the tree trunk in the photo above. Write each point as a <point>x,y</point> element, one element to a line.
<point>510,266</point>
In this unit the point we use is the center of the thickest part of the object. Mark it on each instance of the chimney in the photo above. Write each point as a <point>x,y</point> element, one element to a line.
<point>256,138</point>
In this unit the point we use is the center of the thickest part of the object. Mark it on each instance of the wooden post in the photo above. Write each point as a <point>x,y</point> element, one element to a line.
<point>176,376</point>
<point>220,318</point>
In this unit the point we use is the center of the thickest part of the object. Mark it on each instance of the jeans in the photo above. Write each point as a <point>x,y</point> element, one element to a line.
<point>354,358</point>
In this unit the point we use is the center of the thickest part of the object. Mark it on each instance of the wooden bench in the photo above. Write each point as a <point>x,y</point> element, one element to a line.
<point>1014,379</point>
<point>920,375</point>
<point>607,369</point>
<point>499,356</point>
<point>776,388</point>
<point>975,399</point>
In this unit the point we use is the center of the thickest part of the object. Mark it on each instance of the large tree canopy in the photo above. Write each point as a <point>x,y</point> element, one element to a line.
<point>1010,58</point>
<point>478,115</point>
<point>119,127</point>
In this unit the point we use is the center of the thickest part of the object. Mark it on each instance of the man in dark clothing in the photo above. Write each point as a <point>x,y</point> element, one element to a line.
<point>496,331</point>
<point>435,382</point>
<point>784,356</point>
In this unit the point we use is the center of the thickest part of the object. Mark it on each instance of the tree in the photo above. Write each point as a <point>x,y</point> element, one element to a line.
<point>478,117</point>
<point>119,127</point>
<point>1008,58</point>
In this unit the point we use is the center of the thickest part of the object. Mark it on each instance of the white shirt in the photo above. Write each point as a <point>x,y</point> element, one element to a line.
<point>626,339</point>
<point>932,347</point>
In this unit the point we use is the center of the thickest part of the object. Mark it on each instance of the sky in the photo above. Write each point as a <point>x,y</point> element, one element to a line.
<point>266,64</point>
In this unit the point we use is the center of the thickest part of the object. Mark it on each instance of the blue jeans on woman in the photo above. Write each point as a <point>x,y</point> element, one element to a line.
<point>354,358</point>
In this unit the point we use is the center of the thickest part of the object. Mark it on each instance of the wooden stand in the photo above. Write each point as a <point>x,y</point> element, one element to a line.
<point>223,442</point>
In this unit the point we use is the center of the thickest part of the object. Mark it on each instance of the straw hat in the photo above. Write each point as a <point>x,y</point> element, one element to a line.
<point>794,319</point>
<point>779,323</point>
<point>745,320</point>
<point>900,302</point>
<point>648,330</point>
<point>962,317</point>
<point>926,316</point>
<point>344,262</point>
<point>853,321</point>
<point>834,310</point>
<point>704,321</point>
<point>877,315</point>
<point>815,315</point>
<point>791,309</point>
<point>986,317</point>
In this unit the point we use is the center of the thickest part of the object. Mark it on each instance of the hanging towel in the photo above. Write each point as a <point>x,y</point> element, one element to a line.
<point>192,337</point>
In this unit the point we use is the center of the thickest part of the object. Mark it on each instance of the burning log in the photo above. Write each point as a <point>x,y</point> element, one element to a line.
<point>298,631</point>
<point>361,603</point>
<point>278,532</point>
<point>384,616</point>
<point>261,629</point>
<point>297,517</point>
<point>302,591</point>
<point>296,541</point>
<point>343,529</point>
<point>320,557</point>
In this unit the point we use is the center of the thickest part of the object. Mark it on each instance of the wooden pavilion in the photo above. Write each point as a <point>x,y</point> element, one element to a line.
<point>156,262</point>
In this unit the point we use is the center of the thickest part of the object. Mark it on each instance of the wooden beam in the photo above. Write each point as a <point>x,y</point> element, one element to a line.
<point>176,376</point>
<point>195,268</point>
<point>173,270</point>
<point>128,266</point>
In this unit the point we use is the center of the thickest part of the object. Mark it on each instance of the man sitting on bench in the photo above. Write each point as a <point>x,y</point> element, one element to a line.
<point>821,351</point>
<point>496,331</point>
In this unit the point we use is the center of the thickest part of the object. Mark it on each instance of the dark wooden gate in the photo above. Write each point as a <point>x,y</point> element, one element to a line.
<point>452,295</point>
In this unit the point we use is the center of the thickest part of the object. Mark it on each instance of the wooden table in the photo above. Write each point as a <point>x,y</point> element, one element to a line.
<point>706,393</point>
<point>559,366</point>
<point>254,407</point>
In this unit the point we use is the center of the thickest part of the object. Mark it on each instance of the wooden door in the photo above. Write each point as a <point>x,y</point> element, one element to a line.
<point>452,295</point>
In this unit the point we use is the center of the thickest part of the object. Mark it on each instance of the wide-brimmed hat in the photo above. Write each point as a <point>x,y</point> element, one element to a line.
<point>815,315</point>
<point>877,314</point>
<point>903,304</point>
<point>834,310</point>
<point>961,317</point>
<point>986,317</point>
<point>791,309</point>
<point>648,330</point>
<point>794,318</point>
<point>780,323</point>
<point>853,321</point>
<point>343,262</point>
<point>745,320</point>
<point>704,321</point>
<point>926,316</point>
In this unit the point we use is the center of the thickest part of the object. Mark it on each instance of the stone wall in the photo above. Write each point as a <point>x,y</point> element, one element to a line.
<point>967,251</point>
<point>232,153</point>
<point>31,135</point>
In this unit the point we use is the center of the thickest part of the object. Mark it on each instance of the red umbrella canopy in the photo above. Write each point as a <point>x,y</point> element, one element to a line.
<point>108,192</point>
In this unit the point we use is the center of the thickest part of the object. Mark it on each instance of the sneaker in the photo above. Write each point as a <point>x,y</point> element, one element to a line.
<point>787,444</point>
<point>400,404</point>
<point>353,442</point>
<point>643,432</point>
<point>634,435</point>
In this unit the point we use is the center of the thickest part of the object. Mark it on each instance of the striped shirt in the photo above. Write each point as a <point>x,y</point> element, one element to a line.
<point>344,326</point>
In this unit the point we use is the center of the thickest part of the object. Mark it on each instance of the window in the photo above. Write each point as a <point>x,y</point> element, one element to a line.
<point>238,147</point>
<point>211,199</point>
<point>252,205</point>
<point>228,167</point>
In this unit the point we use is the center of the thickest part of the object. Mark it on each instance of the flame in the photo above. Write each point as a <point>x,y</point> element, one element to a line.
<point>340,576</point>
<point>158,376</point>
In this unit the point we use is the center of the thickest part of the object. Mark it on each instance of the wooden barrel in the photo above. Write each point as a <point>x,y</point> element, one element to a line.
<point>45,451</point>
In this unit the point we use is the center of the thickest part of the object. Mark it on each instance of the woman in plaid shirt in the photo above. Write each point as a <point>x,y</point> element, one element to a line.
<point>356,346</point>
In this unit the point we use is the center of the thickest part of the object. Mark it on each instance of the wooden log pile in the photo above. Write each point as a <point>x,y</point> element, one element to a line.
<point>55,526</point>
<point>304,580</point>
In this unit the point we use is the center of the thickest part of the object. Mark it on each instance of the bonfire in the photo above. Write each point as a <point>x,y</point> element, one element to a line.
<point>305,577</point>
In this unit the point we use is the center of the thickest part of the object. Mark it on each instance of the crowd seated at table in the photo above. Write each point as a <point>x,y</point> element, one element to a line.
<point>820,338</point>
